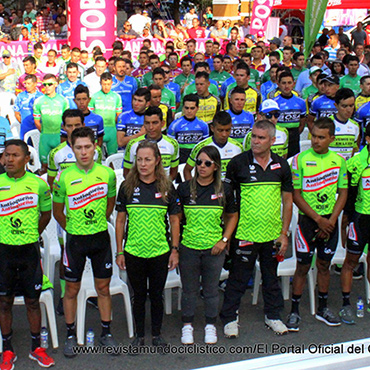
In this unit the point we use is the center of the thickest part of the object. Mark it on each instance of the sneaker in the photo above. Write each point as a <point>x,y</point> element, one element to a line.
<point>40,355</point>
<point>134,346</point>
<point>69,344</point>
<point>210,334</point>
<point>327,317</point>
<point>187,334</point>
<point>108,341</point>
<point>293,321</point>
<point>9,358</point>
<point>60,308</point>
<point>93,301</point>
<point>231,329</point>
<point>347,315</point>
<point>277,326</point>
<point>160,344</point>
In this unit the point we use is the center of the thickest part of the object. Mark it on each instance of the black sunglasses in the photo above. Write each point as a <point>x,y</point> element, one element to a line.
<point>270,115</point>
<point>48,83</point>
<point>5,57</point>
<point>199,162</point>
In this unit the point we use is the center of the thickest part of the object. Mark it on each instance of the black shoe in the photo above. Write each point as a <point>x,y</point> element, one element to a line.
<point>93,301</point>
<point>69,345</point>
<point>135,345</point>
<point>160,343</point>
<point>328,317</point>
<point>60,308</point>
<point>108,341</point>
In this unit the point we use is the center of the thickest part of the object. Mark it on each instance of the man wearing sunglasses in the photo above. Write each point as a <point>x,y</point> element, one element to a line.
<point>47,113</point>
<point>270,111</point>
<point>188,130</point>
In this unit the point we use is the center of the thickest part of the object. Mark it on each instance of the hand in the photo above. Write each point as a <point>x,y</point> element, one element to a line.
<point>325,225</point>
<point>174,260</point>
<point>120,261</point>
<point>283,240</point>
<point>11,71</point>
<point>218,248</point>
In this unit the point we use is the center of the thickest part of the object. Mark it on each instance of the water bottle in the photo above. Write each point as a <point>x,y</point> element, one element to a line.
<point>277,246</point>
<point>44,338</point>
<point>360,307</point>
<point>90,336</point>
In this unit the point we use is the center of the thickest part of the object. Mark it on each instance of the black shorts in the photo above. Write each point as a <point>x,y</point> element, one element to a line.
<point>306,241</point>
<point>20,270</point>
<point>96,247</point>
<point>358,233</point>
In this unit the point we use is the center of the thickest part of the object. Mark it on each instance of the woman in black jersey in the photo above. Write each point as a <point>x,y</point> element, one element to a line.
<point>205,201</point>
<point>145,199</point>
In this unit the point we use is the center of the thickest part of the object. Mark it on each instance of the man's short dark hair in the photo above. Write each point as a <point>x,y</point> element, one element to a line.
<point>285,74</point>
<point>154,56</point>
<point>81,89</point>
<point>30,59</point>
<point>218,56</point>
<point>49,76</point>
<point>237,90</point>
<point>325,123</point>
<point>106,76</point>
<point>297,54</point>
<point>343,94</point>
<point>82,132</point>
<point>185,59</point>
<point>363,79</point>
<point>100,58</point>
<point>221,118</point>
<point>244,66</point>
<point>159,71</point>
<point>154,87</point>
<point>143,92</point>
<point>20,143</point>
<point>275,54</point>
<point>72,113</point>
<point>65,47</point>
<point>229,46</point>
<point>151,111</point>
<point>200,65</point>
<point>191,98</point>
<point>202,74</point>
<point>31,77</point>
<point>72,65</point>
<point>289,48</point>
<point>38,45</point>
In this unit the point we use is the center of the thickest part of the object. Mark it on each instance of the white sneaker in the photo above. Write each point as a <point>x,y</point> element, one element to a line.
<point>210,334</point>
<point>187,334</point>
<point>277,326</point>
<point>231,329</point>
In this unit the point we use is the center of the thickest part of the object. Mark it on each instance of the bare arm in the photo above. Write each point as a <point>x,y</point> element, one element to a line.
<point>173,172</point>
<point>44,220</point>
<point>18,116</point>
<point>100,141</point>
<point>58,212</point>
<point>9,72</point>
<point>302,123</point>
<point>123,140</point>
<point>231,220</point>
<point>38,124</point>
<point>120,234</point>
<point>287,217</point>
<point>310,120</point>
<point>187,172</point>
<point>110,205</point>
<point>51,181</point>
<point>175,239</point>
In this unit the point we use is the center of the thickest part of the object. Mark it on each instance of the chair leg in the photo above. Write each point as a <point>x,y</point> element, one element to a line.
<point>47,299</point>
<point>367,284</point>
<point>285,282</point>
<point>80,319</point>
<point>179,299</point>
<point>168,301</point>
<point>256,288</point>
<point>311,289</point>
<point>127,301</point>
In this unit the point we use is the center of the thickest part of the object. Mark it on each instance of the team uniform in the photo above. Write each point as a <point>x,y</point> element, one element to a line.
<point>362,117</point>
<point>361,99</point>
<point>227,152</point>
<point>130,122</point>
<point>181,79</point>
<point>323,107</point>
<point>176,90</point>
<point>67,90</point>
<point>208,107</point>
<point>292,109</point>
<point>168,147</point>
<point>219,77</point>
<point>125,89</point>
<point>318,176</point>
<point>24,105</point>
<point>241,124</point>
<point>212,89</point>
<point>49,111</point>
<point>188,133</point>
<point>107,106</point>
<point>85,197</point>
<point>350,82</point>
<point>266,88</point>
<point>146,248</point>
<point>169,98</point>
<point>21,201</point>
<point>139,72</point>
<point>256,230</point>
<point>346,137</point>
<point>225,86</point>
<point>280,147</point>
<point>253,99</point>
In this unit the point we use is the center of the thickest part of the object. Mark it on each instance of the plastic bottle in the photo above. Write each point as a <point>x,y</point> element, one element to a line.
<point>44,338</point>
<point>360,307</point>
<point>90,337</point>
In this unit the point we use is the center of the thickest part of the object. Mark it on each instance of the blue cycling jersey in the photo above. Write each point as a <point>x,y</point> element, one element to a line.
<point>24,103</point>
<point>323,107</point>
<point>130,122</point>
<point>225,86</point>
<point>67,89</point>
<point>188,133</point>
<point>125,90</point>
<point>266,88</point>
<point>241,124</point>
<point>175,88</point>
<point>292,109</point>
<point>28,124</point>
<point>362,116</point>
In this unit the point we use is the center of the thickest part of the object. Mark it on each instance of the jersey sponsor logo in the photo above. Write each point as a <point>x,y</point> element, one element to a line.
<point>108,266</point>
<point>253,178</point>
<point>275,166</point>
<point>311,164</point>
<point>321,180</point>
<point>328,251</point>
<point>136,192</point>
<point>4,188</point>
<point>17,203</point>
<point>352,235</point>
<point>366,183</point>
<point>38,286</point>
<point>83,198</point>
<point>321,198</point>
<point>214,196</point>
<point>158,195</point>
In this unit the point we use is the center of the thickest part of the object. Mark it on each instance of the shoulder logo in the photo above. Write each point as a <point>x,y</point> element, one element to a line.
<point>275,166</point>
<point>158,195</point>
<point>75,182</point>
<point>69,155</point>
<point>4,188</point>
<point>311,164</point>
<point>214,196</point>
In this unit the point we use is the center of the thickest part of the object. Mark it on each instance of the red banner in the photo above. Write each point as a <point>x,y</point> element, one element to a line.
<point>260,15</point>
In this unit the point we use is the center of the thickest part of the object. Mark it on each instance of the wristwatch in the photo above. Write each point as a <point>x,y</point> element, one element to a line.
<point>225,240</point>
<point>175,248</point>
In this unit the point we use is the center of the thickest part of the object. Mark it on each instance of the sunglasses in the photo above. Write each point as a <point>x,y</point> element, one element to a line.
<point>192,108</point>
<point>167,72</point>
<point>5,57</point>
<point>270,115</point>
<point>199,162</point>
<point>48,83</point>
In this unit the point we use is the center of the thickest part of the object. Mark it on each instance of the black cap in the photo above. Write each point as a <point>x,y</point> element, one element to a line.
<point>331,79</point>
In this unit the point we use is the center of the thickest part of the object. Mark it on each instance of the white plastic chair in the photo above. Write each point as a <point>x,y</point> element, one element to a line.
<point>286,269</point>
<point>34,164</point>
<point>15,127</point>
<point>34,135</point>
<point>117,286</point>
<point>119,180</point>
<point>304,134</point>
<point>116,161</point>
<point>305,144</point>
<point>178,115</point>
<point>173,281</point>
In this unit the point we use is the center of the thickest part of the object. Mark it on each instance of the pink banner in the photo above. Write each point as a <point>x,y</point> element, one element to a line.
<point>92,23</point>
<point>260,15</point>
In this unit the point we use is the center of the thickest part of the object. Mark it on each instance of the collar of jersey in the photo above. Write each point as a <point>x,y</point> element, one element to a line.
<point>83,171</point>
<point>158,140</point>
<point>223,146</point>
<point>338,120</point>
<point>19,178</point>
<point>190,120</point>
<point>236,113</point>
<point>320,155</point>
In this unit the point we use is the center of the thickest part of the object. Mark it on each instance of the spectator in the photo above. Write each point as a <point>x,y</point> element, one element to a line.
<point>218,32</point>
<point>146,33</point>
<point>4,12</point>
<point>333,46</point>
<point>196,32</point>
<point>138,21</point>
<point>244,30</point>
<point>24,34</point>
<point>323,39</point>
<point>188,18</point>
<point>6,27</point>
<point>29,65</point>
<point>93,79</point>
<point>358,35</point>
<point>43,20</point>
<point>58,33</point>
<point>148,19</point>
<point>343,38</point>
<point>160,31</point>
<point>127,33</point>
<point>29,12</point>
<point>359,52</point>
<point>179,33</point>
<point>283,30</point>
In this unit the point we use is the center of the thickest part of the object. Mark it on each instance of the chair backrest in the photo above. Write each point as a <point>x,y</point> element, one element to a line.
<point>119,177</point>
<point>304,134</point>
<point>34,164</point>
<point>34,135</point>
<point>305,144</point>
<point>116,161</point>
<point>178,115</point>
